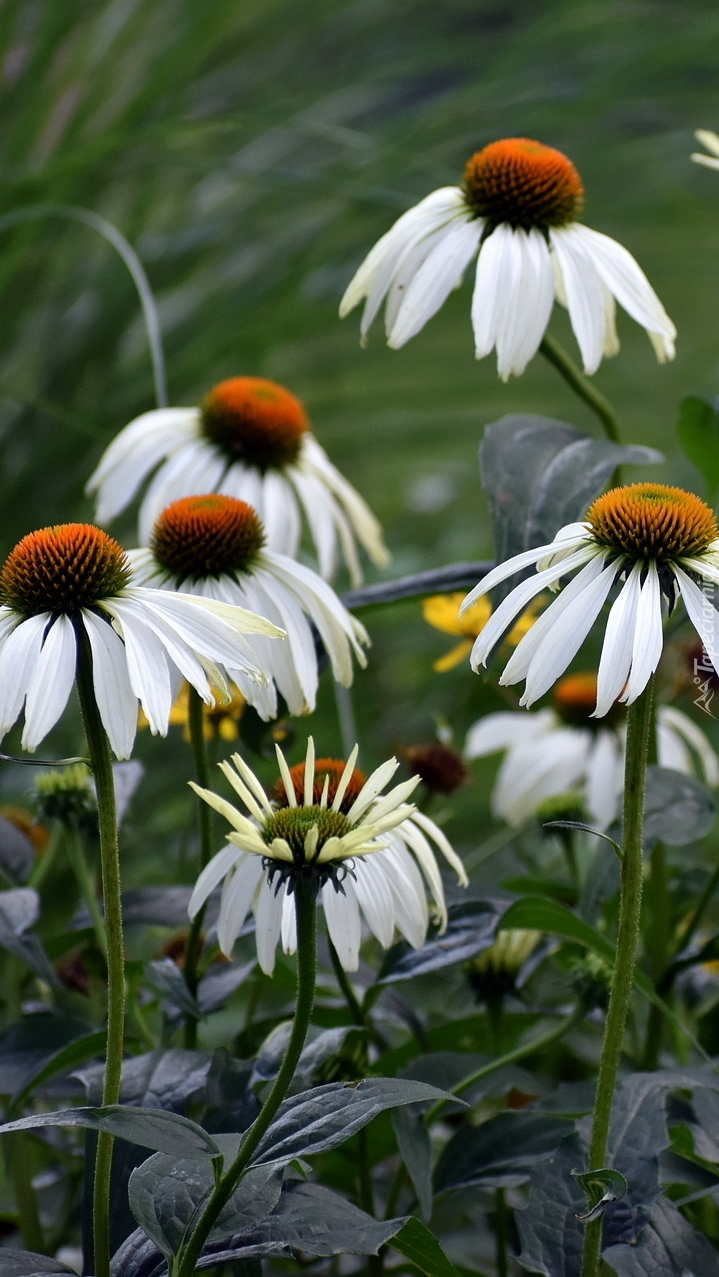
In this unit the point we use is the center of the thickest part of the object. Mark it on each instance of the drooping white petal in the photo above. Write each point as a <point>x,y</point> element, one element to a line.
<point>529,644</point>
<point>375,899</point>
<point>674,728</point>
<point>374,276</point>
<point>627,282</point>
<point>506,729</point>
<point>343,921</point>
<point>604,776</point>
<point>19,654</point>
<point>434,280</point>
<point>616,658</point>
<point>135,452</point>
<point>50,683</point>
<point>147,664</point>
<point>648,636</point>
<point>433,831</point>
<point>562,643</point>
<point>527,303</point>
<point>584,291</point>
<point>238,897</point>
<point>702,614</point>
<point>268,923</point>
<point>527,559</point>
<point>196,467</point>
<point>212,875</point>
<point>374,784</point>
<point>531,773</point>
<point>410,902</point>
<point>116,701</point>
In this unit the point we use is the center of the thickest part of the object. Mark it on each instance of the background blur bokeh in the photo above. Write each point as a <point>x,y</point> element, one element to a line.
<point>252,151</point>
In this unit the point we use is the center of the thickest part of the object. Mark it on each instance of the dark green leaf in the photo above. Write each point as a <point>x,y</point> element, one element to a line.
<point>150,1128</point>
<point>698,432</point>
<point>167,1196</point>
<point>551,1237</point>
<point>79,1051</point>
<point>669,1246</point>
<point>678,809</point>
<point>19,910</point>
<point>501,1151</point>
<point>320,1046</point>
<point>415,1241</point>
<point>17,854</point>
<point>328,1115</point>
<point>27,1046</point>
<point>471,928</point>
<point>159,1079</point>
<point>540,474</point>
<point>23,1263</point>
<point>413,1141</point>
<point>165,977</point>
<point>540,914</point>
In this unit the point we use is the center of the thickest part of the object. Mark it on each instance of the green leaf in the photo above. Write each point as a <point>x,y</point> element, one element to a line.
<point>79,1051</point>
<point>167,1196</point>
<point>539,914</point>
<point>471,928</point>
<point>328,1115</point>
<point>150,1128</point>
<point>415,1147</point>
<point>601,1187</point>
<point>415,1241</point>
<point>669,1246</point>
<point>698,432</point>
<point>540,474</point>
<point>165,977</point>
<point>678,809</point>
<point>19,910</point>
<point>27,1046</point>
<point>500,1152</point>
<point>23,1263</point>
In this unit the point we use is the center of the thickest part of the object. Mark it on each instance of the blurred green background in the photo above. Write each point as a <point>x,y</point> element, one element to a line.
<point>252,151</point>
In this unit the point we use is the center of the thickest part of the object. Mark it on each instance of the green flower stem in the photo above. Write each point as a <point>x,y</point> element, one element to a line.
<point>18,1164</point>
<point>575,378</point>
<point>306,915</point>
<point>639,719</point>
<point>101,764</point>
<point>193,947</point>
<point>76,856</point>
<point>566,1023</point>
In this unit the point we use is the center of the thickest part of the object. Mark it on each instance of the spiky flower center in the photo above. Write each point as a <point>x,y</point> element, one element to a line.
<point>209,535</point>
<point>441,768</point>
<point>331,769</point>
<point>523,183</point>
<point>652,521</point>
<point>62,569</point>
<point>293,824</point>
<point>255,421</point>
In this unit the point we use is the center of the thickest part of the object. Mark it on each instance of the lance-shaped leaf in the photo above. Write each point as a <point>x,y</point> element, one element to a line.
<point>471,928</point>
<point>19,911</point>
<point>540,474</point>
<point>150,1128</point>
<point>168,1195</point>
<point>328,1115</point>
<point>415,1241</point>
<point>678,809</point>
<point>23,1263</point>
<point>500,1152</point>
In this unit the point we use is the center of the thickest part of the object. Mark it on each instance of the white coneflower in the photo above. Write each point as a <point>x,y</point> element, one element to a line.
<point>562,750</point>
<point>70,585</point>
<point>328,821</point>
<point>661,540</point>
<point>214,546</point>
<point>251,439</point>
<point>517,210</point>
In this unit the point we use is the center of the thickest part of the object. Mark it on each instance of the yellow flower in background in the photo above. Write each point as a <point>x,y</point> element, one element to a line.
<point>219,720</point>
<point>442,612</point>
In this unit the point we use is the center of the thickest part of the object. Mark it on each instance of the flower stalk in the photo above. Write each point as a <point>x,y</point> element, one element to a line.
<point>306,917</point>
<point>101,765</point>
<point>202,776</point>
<point>556,355</point>
<point>639,720</point>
